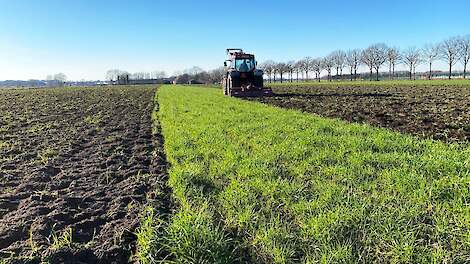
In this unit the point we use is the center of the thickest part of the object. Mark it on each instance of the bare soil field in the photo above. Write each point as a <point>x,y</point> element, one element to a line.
<point>76,169</point>
<point>439,112</point>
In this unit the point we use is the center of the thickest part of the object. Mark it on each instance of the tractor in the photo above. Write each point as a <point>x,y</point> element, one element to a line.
<point>242,78</point>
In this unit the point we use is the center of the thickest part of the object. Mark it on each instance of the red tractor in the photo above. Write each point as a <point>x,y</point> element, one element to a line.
<point>242,78</point>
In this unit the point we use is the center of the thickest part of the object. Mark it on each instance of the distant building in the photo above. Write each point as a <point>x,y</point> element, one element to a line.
<point>195,82</point>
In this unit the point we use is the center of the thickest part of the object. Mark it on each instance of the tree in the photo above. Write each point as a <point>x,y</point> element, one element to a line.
<point>449,51</point>
<point>282,68</point>
<point>353,60</point>
<point>464,47</point>
<point>338,58</point>
<point>367,59</point>
<point>328,64</point>
<point>111,75</point>
<point>412,57</point>
<point>430,53</point>
<point>393,57</point>
<point>193,70</point>
<point>298,68</point>
<point>317,66</point>
<point>306,62</point>
<point>216,75</point>
<point>290,67</point>
<point>268,67</point>
<point>60,77</point>
<point>158,74</point>
<point>379,57</point>
<point>202,76</point>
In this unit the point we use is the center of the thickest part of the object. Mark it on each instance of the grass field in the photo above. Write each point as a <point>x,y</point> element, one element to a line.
<point>435,109</point>
<point>262,184</point>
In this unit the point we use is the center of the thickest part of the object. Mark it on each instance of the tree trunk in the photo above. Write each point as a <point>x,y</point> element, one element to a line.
<point>377,74</point>
<point>306,75</point>
<point>297,76</point>
<point>281,77</point>
<point>411,70</point>
<point>464,70</point>
<point>351,75</point>
<point>430,70</point>
<point>450,70</point>
<point>390,71</point>
<point>337,73</point>
<point>341,73</point>
<point>371,75</point>
<point>355,73</point>
<point>393,71</point>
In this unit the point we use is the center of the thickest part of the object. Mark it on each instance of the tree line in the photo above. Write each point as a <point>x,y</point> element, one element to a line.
<point>375,57</point>
<point>193,73</point>
<point>112,75</point>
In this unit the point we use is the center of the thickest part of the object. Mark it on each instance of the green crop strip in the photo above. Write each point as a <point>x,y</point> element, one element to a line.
<point>262,184</point>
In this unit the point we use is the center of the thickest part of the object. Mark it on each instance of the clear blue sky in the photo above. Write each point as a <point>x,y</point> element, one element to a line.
<point>84,38</point>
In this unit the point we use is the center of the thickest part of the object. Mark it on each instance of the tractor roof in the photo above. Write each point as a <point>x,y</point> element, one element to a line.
<point>238,54</point>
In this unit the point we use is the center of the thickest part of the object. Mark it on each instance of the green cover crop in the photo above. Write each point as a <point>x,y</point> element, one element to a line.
<point>262,184</point>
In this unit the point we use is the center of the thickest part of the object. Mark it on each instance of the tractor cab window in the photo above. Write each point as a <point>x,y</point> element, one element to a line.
<point>244,65</point>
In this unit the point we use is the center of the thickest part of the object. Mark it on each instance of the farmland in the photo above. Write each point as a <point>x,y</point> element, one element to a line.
<point>256,183</point>
<point>429,109</point>
<point>77,167</point>
<point>184,174</point>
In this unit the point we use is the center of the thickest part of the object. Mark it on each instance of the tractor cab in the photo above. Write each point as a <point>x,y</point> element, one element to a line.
<point>240,61</point>
<point>242,78</point>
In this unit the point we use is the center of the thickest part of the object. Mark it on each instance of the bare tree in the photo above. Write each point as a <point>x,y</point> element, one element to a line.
<point>338,58</point>
<point>298,68</point>
<point>464,47</point>
<point>393,57</point>
<point>111,75</point>
<point>379,55</point>
<point>317,66</point>
<point>306,66</point>
<point>449,51</point>
<point>368,59</point>
<point>60,77</point>
<point>194,70</point>
<point>353,60</point>
<point>412,57</point>
<point>275,71</point>
<point>158,74</point>
<point>216,75</point>
<point>290,67</point>
<point>328,64</point>
<point>282,68</point>
<point>430,53</point>
<point>268,67</point>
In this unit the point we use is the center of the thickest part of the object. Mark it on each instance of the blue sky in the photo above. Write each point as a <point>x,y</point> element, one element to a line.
<point>84,38</point>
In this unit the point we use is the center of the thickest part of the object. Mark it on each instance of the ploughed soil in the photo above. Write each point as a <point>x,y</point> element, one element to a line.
<point>441,113</point>
<point>77,166</point>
